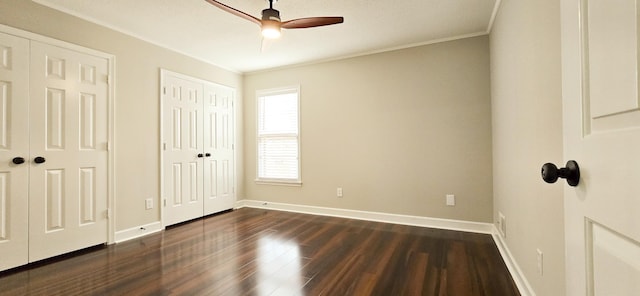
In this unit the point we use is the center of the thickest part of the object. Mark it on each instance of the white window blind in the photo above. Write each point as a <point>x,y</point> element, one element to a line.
<point>278,136</point>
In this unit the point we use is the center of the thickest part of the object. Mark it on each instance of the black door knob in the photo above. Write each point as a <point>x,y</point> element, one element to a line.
<point>39,159</point>
<point>18,160</point>
<point>571,172</point>
<point>200,155</point>
<point>207,154</point>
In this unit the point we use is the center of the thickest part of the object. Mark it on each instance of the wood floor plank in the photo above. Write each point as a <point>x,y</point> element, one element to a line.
<point>266,252</point>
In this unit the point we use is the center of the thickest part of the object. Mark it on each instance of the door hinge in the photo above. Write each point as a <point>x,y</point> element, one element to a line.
<point>108,79</point>
<point>164,146</point>
<point>164,90</point>
<point>108,146</point>
<point>164,201</point>
<point>108,213</point>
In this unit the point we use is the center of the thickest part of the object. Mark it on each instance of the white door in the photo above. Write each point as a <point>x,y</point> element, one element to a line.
<point>14,143</point>
<point>219,155</point>
<point>183,151</point>
<point>602,133</point>
<point>198,151</point>
<point>68,131</point>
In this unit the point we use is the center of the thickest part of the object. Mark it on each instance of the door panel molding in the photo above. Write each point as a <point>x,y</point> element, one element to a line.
<point>608,249</point>
<point>610,59</point>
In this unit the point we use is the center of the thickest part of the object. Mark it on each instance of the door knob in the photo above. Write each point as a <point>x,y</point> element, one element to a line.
<point>18,160</point>
<point>207,154</point>
<point>200,155</point>
<point>39,159</point>
<point>571,172</point>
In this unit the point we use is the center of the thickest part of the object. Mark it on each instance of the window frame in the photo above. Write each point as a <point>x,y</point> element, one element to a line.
<point>277,181</point>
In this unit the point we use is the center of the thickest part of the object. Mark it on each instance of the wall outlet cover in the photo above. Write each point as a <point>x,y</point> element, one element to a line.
<point>540,261</point>
<point>502,224</point>
<point>451,200</point>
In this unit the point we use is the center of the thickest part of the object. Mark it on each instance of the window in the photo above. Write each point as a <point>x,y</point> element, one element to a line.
<point>278,142</point>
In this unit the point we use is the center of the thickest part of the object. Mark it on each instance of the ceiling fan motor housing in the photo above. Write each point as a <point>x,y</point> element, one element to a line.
<point>270,14</point>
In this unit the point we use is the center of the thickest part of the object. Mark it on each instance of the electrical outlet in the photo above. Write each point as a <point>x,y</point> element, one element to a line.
<point>451,200</point>
<point>502,224</point>
<point>148,203</point>
<point>339,192</point>
<point>540,261</point>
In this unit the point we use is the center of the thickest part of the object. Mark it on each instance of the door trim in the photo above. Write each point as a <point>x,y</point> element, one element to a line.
<point>111,87</point>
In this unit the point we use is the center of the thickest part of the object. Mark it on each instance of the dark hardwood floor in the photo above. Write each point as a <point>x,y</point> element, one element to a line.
<point>264,252</point>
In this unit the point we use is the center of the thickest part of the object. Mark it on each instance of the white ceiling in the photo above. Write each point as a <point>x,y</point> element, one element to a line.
<point>197,29</point>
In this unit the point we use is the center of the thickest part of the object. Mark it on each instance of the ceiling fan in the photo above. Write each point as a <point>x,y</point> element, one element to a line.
<point>271,23</point>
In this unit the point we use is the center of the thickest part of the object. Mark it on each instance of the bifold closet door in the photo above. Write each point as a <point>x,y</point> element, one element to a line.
<point>68,151</point>
<point>183,151</point>
<point>14,147</point>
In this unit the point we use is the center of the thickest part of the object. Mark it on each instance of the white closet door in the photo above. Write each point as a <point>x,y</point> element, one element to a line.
<point>68,192</point>
<point>183,154</point>
<point>218,138</point>
<point>14,142</point>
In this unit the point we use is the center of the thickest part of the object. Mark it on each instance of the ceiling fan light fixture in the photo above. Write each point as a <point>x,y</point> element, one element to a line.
<point>271,24</point>
<point>270,29</point>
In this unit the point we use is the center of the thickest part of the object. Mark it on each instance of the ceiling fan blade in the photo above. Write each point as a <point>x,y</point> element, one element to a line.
<point>234,11</point>
<point>310,22</point>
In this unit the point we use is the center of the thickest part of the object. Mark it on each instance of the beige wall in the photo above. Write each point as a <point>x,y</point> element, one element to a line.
<point>397,131</point>
<point>527,132</point>
<point>138,65</point>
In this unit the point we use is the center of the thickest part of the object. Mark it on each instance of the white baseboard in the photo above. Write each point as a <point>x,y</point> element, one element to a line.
<point>512,265</point>
<point>372,216</point>
<point>138,231</point>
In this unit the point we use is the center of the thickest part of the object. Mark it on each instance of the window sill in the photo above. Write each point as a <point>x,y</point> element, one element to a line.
<point>279,182</point>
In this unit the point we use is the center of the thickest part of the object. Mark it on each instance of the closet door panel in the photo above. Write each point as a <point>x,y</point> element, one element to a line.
<point>183,171</point>
<point>219,139</point>
<point>14,144</point>
<point>69,135</point>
